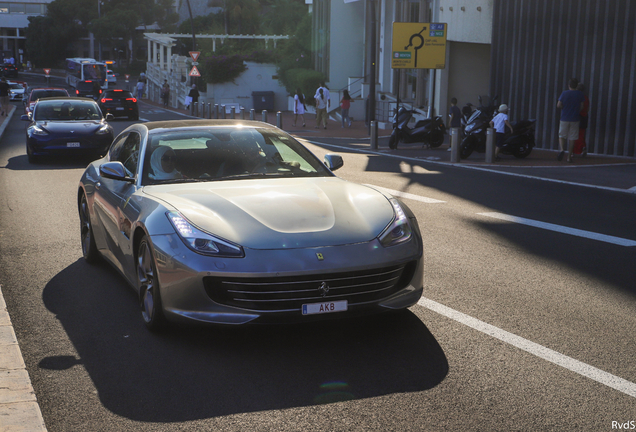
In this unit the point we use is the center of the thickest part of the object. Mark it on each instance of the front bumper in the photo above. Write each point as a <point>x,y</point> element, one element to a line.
<point>274,284</point>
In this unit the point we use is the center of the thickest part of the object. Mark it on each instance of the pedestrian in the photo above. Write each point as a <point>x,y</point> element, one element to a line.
<point>194,94</point>
<point>299,106</point>
<point>325,92</point>
<point>5,89</point>
<point>140,88</point>
<point>499,123</point>
<point>345,104</point>
<point>165,93</point>
<point>454,117</point>
<point>580,147</point>
<point>321,109</point>
<point>570,103</point>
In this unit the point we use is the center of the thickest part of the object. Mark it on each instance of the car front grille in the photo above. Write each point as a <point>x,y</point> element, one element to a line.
<point>269,294</point>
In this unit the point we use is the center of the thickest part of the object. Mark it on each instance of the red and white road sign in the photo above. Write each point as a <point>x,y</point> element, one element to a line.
<point>195,55</point>
<point>195,72</point>
<point>47,71</point>
<point>127,77</point>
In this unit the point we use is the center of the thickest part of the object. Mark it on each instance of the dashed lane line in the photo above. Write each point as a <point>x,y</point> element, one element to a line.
<point>562,229</point>
<point>598,375</point>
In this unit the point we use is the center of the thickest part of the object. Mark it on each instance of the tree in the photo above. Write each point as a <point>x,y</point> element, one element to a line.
<point>115,25</point>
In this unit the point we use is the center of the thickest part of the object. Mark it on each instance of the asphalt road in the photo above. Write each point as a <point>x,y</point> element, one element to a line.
<point>520,328</point>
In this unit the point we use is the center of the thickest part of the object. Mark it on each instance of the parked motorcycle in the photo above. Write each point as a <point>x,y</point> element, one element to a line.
<point>518,143</point>
<point>428,131</point>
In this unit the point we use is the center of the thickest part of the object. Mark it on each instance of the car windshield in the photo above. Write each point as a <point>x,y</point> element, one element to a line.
<point>64,110</point>
<point>16,86</point>
<point>226,153</point>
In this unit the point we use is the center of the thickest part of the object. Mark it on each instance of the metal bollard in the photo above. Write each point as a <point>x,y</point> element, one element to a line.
<point>209,110</point>
<point>222,111</point>
<point>232,112</point>
<point>490,148</point>
<point>242,113</point>
<point>216,111</point>
<point>374,134</point>
<point>202,113</point>
<point>264,116</point>
<point>252,114</point>
<point>279,120</point>
<point>454,137</point>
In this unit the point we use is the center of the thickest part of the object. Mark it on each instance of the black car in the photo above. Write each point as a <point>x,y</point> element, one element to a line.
<point>119,103</point>
<point>67,126</point>
<point>88,89</point>
<point>8,70</point>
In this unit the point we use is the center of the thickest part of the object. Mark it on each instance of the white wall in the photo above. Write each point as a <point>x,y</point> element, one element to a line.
<point>258,77</point>
<point>346,50</point>
<point>469,24</point>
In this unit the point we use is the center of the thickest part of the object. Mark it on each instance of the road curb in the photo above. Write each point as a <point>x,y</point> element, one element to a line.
<point>19,409</point>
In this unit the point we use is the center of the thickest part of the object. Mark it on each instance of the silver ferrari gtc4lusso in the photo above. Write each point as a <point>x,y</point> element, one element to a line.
<point>233,221</point>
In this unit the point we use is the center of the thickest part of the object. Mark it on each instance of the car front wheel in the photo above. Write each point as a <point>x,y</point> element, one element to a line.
<point>148,284</point>
<point>89,248</point>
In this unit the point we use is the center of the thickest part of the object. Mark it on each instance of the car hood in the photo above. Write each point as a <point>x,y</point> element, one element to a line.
<point>282,213</point>
<point>78,127</point>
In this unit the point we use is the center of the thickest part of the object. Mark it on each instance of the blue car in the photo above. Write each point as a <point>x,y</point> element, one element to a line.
<point>67,126</point>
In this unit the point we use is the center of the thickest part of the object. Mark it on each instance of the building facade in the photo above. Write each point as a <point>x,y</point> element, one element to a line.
<point>14,19</point>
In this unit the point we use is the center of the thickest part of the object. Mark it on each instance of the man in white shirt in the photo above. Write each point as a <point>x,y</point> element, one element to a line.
<point>325,92</point>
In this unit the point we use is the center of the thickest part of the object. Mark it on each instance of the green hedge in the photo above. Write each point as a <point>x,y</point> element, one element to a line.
<point>307,80</point>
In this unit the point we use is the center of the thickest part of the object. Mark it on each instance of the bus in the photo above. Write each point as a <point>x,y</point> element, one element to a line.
<point>85,69</point>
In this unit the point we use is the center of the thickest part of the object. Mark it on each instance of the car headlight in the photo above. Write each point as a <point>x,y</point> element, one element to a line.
<point>103,130</point>
<point>399,229</point>
<point>202,242</point>
<point>36,130</point>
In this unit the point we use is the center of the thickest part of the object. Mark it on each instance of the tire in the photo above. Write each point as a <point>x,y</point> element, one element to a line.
<point>522,151</point>
<point>149,290</point>
<point>33,159</point>
<point>89,248</point>
<point>393,142</point>
<point>436,138</point>
<point>467,147</point>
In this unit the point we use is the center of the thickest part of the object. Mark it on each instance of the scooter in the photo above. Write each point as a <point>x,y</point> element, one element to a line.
<point>428,131</point>
<point>519,143</point>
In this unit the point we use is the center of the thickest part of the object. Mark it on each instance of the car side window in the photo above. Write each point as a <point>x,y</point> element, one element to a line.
<point>129,154</point>
<point>115,149</point>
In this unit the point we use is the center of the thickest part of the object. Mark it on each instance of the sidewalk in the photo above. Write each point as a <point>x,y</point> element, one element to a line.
<point>358,136</point>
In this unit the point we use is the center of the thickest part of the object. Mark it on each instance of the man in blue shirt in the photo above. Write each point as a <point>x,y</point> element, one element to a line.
<point>570,103</point>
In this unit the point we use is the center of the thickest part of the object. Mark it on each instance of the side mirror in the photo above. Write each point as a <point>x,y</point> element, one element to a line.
<point>114,171</point>
<point>333,161</point>
<point>110,117</point>
<point>26,117</point>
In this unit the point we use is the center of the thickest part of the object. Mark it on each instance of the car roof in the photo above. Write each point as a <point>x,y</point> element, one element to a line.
<point>66,99</point>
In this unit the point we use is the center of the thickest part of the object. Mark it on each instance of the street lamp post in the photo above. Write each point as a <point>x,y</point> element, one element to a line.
<point>372,60</point>
<point>99,42</point>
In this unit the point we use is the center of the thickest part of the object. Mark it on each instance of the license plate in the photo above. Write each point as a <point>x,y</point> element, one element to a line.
<point>119,108</point>
<point>324,307</point>
<point>72,144</point>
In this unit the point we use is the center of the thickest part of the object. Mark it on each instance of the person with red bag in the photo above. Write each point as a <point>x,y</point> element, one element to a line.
<point>580,147</point>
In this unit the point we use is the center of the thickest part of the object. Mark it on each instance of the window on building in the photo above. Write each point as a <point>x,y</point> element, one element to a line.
<point>34,8</point>
<point>17,8</point>
<point>4,8</point>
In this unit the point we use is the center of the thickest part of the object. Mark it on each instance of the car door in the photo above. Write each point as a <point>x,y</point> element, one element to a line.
<point>112,195</point>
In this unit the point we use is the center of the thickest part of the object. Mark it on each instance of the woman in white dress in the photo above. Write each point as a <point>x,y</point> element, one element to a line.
<point>299,106</point>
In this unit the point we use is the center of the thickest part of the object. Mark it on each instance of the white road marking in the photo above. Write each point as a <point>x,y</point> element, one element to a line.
<point>598,375</point>
<point>472,167</point>
<point>407,195</point>
<point>562,229</point>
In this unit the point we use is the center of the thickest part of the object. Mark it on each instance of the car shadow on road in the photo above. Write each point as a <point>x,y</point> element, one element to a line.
<point>192,373</point>
<point>21,163</point>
